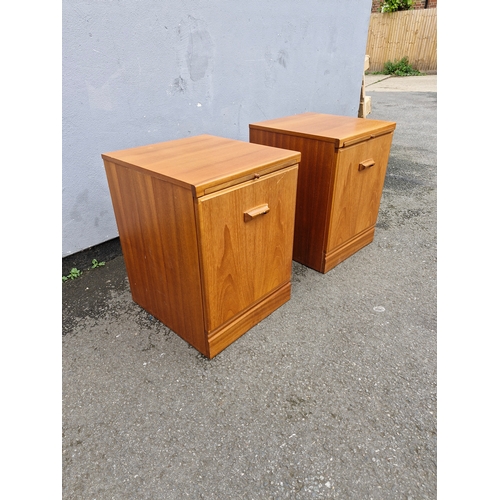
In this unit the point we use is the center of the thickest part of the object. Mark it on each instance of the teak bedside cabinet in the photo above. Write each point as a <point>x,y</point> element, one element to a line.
<point>341,176</point>
<point>206,228</point>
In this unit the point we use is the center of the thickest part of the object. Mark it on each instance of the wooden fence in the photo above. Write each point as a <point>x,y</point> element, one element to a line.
<point>408,33</point>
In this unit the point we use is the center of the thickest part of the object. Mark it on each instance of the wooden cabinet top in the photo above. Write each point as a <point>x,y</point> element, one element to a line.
<point>341,130</point>
<point>204,163</point>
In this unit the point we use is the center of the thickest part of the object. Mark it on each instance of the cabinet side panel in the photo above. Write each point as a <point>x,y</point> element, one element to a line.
<point>313,192</point>
<point>157,229</point>
<point>129,230</point>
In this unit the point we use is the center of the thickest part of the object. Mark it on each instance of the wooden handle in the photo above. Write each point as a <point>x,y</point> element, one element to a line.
<point>255,212</point>
<point>366,164</point>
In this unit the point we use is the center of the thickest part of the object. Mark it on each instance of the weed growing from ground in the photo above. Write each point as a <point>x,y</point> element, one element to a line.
<point>399,68</point>
<point>73,274</point>
<point>76,273</point>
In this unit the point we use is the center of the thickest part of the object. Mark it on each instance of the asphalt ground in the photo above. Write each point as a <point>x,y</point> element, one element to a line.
<point>331,396</point>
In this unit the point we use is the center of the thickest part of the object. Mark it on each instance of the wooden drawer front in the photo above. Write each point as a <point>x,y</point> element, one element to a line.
<point>246,239</point>
<point>357,189</point>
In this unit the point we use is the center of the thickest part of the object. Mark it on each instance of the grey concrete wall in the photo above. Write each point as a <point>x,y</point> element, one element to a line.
<point>137,72</point>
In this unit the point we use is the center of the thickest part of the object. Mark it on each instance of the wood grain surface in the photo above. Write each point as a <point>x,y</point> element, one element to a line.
<point>340,130</point>
<point>341,177</point>
<point>209,266</point>
<point>357,193</point>
<point>313,192</point>
<point>157,228</point>
<point>244,261</point>
<point>204,162</point>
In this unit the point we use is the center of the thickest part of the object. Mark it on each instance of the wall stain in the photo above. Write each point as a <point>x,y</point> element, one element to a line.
<point>180,85</point>
<point>270,73</point>
<point>195,52</point>
<point>199,55</point>
<point>283,57</point>
<point>81,199</point>
<point>271,64</point>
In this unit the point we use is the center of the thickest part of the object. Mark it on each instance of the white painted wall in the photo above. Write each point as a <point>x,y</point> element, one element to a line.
<point>137,72</point>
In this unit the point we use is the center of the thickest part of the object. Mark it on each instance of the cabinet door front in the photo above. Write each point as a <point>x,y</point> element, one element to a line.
<point>246,241</point>
<point>358,182</point>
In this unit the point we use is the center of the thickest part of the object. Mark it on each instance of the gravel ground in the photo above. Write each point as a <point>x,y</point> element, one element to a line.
<point>332,396</point>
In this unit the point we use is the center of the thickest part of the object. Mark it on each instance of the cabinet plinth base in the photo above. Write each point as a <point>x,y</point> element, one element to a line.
<point>228,333</point>
<point>341,253</point>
